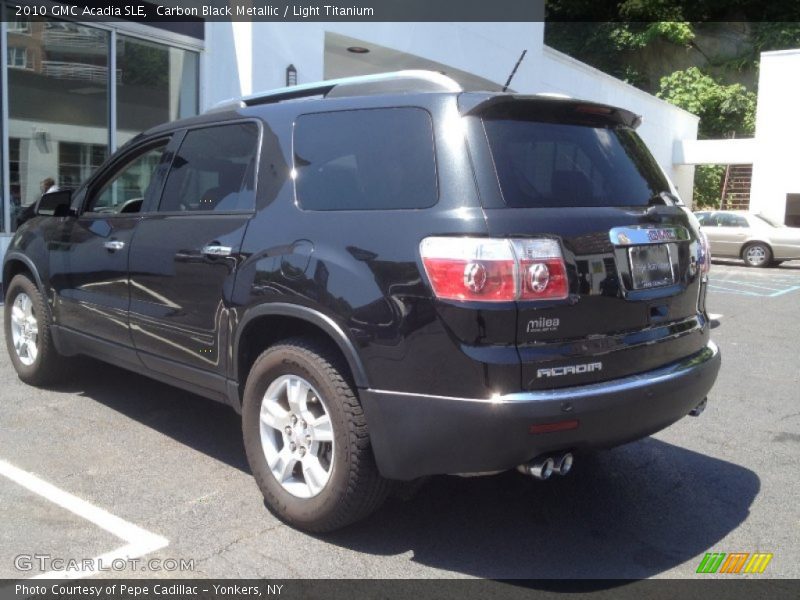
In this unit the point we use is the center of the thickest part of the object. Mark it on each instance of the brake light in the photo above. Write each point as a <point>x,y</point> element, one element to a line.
<point>542,269</point>
<point>495,270</point>
<point>704,253</point>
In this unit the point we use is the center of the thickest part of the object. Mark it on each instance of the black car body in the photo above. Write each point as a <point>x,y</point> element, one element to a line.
<point>345,209</point>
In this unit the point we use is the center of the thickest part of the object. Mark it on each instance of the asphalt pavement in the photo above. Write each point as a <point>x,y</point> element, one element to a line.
<point>113,460</point>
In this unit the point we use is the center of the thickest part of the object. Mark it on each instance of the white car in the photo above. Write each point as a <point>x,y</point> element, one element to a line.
<point>756,239</point>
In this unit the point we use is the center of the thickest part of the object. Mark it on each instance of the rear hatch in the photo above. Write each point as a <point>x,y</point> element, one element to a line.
<point>578,173</point>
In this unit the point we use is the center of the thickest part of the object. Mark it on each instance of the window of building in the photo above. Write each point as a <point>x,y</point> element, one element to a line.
<point>155,84</point>
<point>19,24</point>
<point>77,161</point>
<point>374,159</point>
<point>214,170</point>
<point>127,188</point>
<point>18,58</point>
<point>58,99</point>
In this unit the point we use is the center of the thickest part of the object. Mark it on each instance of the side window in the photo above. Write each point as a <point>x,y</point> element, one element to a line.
<point>125,191</point>
<point>729,220</point>
<point>369,159</point>
<point>214,170</point>
<point>704,219</point>
<point>739,221</point>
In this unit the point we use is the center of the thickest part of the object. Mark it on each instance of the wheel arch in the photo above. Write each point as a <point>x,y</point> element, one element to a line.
<point>753,241</point>
<point>16,263</point>
<point>270,323</point>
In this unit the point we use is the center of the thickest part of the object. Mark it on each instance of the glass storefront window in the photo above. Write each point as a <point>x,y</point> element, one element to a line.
<point>57,101</point>
<point>155,83</point>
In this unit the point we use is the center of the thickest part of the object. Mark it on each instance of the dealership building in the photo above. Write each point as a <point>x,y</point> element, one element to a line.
<point>72,91</point>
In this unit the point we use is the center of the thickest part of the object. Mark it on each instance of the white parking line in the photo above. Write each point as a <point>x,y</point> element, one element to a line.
<point>139,541</point>
<point>755,285</point>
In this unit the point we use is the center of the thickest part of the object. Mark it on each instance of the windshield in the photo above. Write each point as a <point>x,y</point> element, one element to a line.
<point>547,164</point>
<point>769,221</point>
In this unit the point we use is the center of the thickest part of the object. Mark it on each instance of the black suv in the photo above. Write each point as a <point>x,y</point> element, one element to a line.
<point>388,277</point>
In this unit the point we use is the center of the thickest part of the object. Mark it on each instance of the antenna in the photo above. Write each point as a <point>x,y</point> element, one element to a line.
<point>514,71</point>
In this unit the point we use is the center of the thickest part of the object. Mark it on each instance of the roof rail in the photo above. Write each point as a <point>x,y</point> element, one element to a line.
<point>398,82</point>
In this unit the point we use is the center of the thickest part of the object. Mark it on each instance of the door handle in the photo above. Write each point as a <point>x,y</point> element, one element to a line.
<point>114,245</point>
<point>217,250</point>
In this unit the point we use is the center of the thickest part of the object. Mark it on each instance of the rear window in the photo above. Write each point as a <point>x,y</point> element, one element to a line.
<point>372,159</point>
<point>546,164</point>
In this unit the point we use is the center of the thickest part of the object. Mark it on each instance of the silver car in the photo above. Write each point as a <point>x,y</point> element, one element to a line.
<point>756,239</point>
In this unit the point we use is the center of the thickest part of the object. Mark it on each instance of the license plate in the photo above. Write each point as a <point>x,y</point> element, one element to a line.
<point>651,266</point>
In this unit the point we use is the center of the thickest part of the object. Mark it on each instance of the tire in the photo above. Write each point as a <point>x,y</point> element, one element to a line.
<point>352,488</point>
<point>757,255</point>
<point>29,335</point>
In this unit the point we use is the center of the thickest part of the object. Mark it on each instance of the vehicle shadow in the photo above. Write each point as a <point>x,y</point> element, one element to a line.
<point>632,512</point>
<point>199,423</point>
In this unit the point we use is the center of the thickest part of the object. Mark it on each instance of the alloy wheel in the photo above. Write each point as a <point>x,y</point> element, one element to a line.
<point>296,436</point>
<point>24,329</point>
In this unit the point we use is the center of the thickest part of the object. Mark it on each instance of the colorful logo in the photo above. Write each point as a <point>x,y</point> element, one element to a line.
<point>735,562</point>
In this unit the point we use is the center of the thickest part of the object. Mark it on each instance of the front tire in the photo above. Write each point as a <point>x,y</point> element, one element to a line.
<point>29,335</point>
<point>757,255</point>
<point>306,438</point>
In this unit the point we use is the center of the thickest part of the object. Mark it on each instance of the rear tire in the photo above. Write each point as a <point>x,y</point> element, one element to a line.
<point>757,255</point>
<point>28,332</point>
<point>303,424</point>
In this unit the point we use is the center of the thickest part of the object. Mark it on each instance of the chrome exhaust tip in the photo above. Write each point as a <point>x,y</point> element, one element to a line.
<point>538,468</point>
<point>698,410</point>
<point>563,464</point>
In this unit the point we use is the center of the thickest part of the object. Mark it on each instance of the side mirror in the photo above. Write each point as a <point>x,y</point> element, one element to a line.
<point>55,204</point>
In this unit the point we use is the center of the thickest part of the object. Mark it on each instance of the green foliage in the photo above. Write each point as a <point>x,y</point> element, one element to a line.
<point>145,64</point>
<point>604,44</point>
<point>707,185</point>
<point>633,36</point>
<point>775,36</point>
<point>723,109</point>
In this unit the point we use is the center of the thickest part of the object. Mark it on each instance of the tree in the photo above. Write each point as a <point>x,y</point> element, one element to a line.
<point>639,41</point>
<point>724,110</point>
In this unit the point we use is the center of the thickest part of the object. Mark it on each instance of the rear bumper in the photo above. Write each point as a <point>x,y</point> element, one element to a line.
<point>415,435</point>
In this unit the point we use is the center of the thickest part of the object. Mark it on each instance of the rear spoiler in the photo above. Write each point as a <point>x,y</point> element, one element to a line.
<point>479,103</point>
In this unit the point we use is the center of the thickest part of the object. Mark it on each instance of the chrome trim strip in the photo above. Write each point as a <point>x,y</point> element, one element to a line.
<point>636,236</point>
<point>625,384</point>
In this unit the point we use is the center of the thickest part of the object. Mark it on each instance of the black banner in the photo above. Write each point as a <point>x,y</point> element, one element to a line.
<point>286,10</point>
<point>734,588</point>
<point>408,10</point>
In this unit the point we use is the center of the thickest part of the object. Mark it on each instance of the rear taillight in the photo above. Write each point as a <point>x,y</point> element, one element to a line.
<point>704,253</point>
<point>495,270</point>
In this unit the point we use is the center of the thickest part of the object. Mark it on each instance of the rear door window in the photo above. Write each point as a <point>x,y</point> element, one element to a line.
<point>370,159</point>
<point>729,220</point>
<point>551,164</point>
<point>213,170</point>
